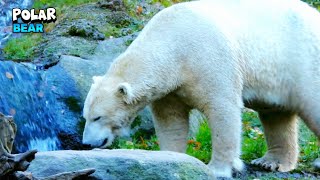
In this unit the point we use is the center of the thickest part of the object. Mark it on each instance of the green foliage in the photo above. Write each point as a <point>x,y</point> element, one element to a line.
<point>137,143</point>
<point>140,140</point>
<point>167,3</point>
<point>314,3</point>
<point>253,142</point>
<point>309,147</point>
<point>21,48</point>
<point>200,147</point>
<point>131,6</point>
<point>59,3</point>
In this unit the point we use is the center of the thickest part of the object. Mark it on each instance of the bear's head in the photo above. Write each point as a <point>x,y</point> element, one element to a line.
<point>109,109</point>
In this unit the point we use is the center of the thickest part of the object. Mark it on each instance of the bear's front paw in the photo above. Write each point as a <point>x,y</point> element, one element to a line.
<point>274,163</point>
<point>266,164</point>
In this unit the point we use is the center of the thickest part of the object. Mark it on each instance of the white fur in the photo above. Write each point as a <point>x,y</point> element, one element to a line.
<point>217,56</point>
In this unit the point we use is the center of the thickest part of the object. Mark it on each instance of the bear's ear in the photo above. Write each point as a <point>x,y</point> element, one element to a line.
<point>96,79</point>
<point>125,91</point>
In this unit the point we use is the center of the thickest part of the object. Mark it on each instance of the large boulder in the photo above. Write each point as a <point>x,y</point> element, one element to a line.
<point>82,70</point>
<point>121,164</point>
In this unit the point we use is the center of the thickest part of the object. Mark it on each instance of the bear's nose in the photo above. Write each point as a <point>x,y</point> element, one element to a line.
<point>86,146</point>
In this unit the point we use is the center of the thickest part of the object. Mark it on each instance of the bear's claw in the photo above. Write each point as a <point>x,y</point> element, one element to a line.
<point>266,164</point>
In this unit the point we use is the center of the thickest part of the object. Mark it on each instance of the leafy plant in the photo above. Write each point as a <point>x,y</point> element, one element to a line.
<point>253,142</point>
<point>200,147</point>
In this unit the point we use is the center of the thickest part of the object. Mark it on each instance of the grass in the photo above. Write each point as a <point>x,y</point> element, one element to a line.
<point>200,147</point>
<point>309,148</point>
<point>22,48</point>
<point>253,141</point>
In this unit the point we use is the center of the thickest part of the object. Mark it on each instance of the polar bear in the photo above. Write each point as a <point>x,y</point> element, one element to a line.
<point>216,56</point>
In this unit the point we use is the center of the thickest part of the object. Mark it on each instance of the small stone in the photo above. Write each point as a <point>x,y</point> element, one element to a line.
<point>316,164</point>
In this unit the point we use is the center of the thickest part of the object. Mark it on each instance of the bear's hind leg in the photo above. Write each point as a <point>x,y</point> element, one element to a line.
<point>170,116</point>
<point>280,129</point>
<point>311,116</point>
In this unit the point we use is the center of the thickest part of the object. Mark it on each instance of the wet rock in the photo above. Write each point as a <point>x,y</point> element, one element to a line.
<point>316,164</point>
<point>122,164</point>
<point>85,29</point>
<point>196,118</point>
<point>114,5</point>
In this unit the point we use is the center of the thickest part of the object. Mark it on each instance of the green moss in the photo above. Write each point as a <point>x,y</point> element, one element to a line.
<point>22,48</point>
<point>74,31</point>
<point>111,31</point>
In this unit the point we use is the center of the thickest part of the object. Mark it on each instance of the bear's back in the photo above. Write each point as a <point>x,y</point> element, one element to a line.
<point>278,42</point>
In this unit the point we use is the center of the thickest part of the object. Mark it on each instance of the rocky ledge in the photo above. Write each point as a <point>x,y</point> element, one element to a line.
<point>121,164</point>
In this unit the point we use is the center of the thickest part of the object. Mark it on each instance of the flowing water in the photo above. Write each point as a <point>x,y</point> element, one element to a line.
<point>25,94</point>
<point>31,95</point>
<point>6,16</point>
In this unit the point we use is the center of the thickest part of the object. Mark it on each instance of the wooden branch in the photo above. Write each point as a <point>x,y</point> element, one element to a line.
<point>70,175</point>
<point>18,162</point>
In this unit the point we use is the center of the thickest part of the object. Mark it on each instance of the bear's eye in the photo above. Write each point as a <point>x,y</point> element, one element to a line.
<point>116,127</point>
<point>97,118</point>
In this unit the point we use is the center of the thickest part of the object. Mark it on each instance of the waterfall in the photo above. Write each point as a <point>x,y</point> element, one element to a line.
<point>27,94</point>
<point>6,16</point>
